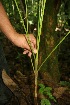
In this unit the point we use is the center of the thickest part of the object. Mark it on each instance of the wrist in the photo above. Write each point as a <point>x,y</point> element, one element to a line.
<point>18,39</point>
<point>13,36</point>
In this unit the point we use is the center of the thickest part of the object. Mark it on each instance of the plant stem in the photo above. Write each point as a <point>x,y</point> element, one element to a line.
<point>54,50</point>
<point>36,84</point>
<point>40,20</point>
<point>21,19</point>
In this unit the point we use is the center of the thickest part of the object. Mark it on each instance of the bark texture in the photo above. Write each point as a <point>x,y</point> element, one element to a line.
<point>49,71</point>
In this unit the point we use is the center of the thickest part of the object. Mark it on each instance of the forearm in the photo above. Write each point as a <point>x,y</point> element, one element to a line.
<point>5,25</point>
<point>18,39</point>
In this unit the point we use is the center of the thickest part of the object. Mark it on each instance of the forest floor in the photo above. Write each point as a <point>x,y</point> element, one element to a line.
<point>19,69</point>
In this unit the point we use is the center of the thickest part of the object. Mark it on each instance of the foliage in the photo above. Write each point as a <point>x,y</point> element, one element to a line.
<point>46,91</point>
<point>64,14</point>
<point>32,11</point>
<point>45,102</point>
<point>64,83</point>
<point>32,16</point>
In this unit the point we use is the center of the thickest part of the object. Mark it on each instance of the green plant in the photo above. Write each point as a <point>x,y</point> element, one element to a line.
<point>64,83</point>
<point>46,91</point>
<point>41,8</point>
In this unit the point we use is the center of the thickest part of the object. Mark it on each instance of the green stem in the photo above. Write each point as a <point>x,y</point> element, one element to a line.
<point>21,19</point>
<point>25,28</point>
<point>53,50</point>
<point>40,20</point>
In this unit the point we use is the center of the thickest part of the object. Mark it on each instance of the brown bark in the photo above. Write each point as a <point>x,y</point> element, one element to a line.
<point>48,42</point>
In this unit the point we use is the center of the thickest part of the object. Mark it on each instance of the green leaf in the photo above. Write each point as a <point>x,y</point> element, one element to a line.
<point>48,89</point>
<point>42,86</point>
<point>52,98</point>
<point>41,90</point>
<point>45,102</point>
<point>49,94</point>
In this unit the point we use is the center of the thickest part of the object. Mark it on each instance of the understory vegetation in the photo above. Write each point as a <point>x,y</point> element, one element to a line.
<point>43,79</point>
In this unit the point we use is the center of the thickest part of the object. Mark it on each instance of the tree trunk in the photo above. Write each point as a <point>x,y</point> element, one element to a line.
<point>49,71</point>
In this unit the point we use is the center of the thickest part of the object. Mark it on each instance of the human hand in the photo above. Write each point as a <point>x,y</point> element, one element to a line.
<point>20,40</point>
